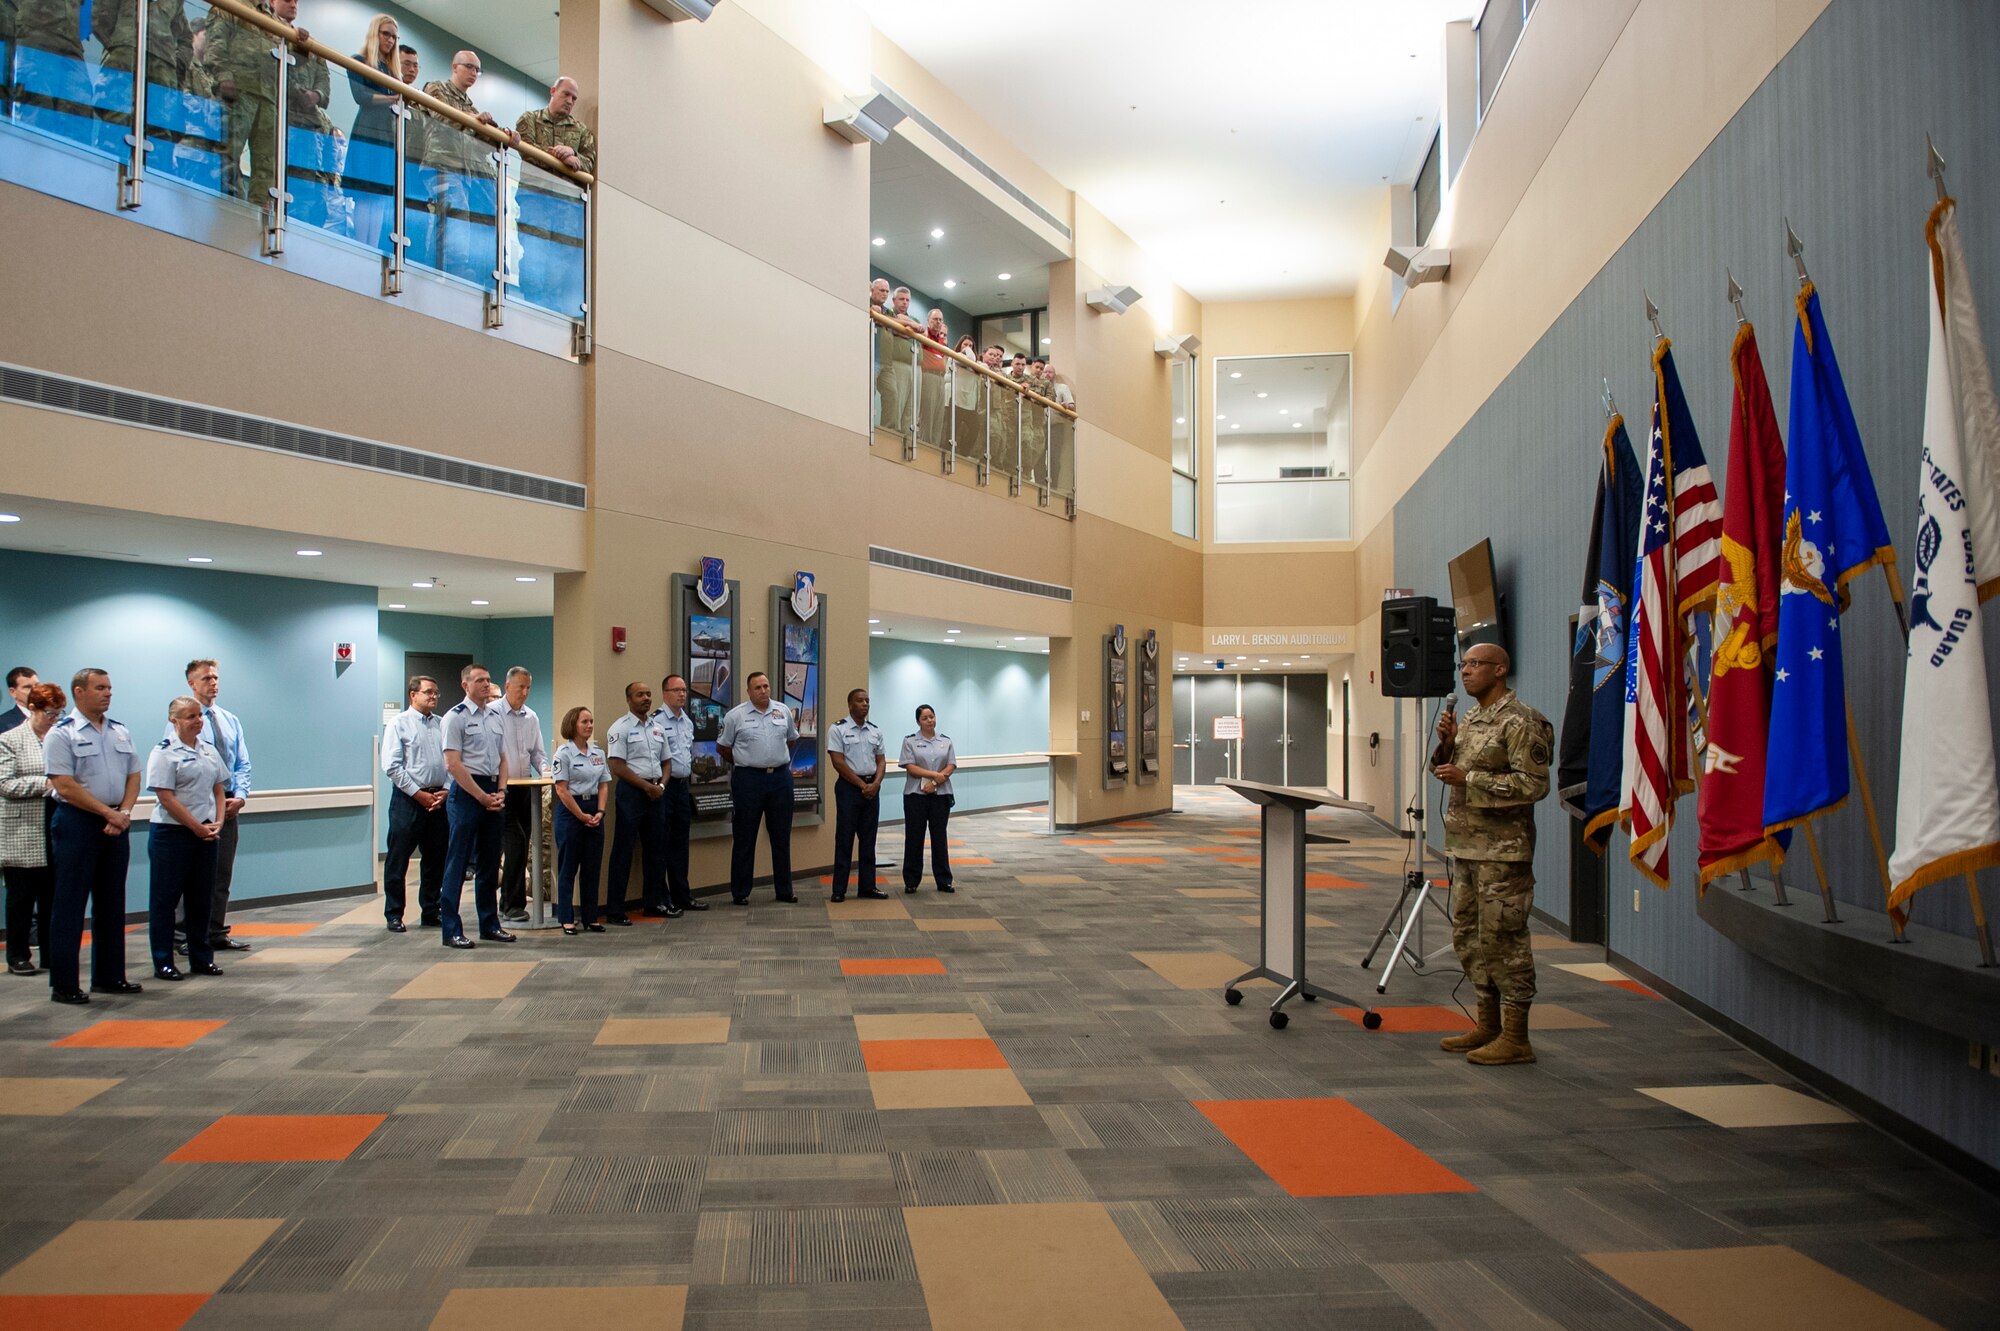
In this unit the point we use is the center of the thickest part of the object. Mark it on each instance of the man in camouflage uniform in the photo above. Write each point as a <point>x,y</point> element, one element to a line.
<point>47,55</point>
<point>238,59</point>
<point>309,136</point>
<point>1002,424</point>
<point>169,40</point>
<point>464,195</point>
<point>551,213</point>
<point>1496,765</point>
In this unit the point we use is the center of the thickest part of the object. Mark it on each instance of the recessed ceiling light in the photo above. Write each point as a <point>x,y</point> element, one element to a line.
<point>950,282</point>
<point>1282,411</point>
<point>1298,425</point>
<point>876,633</point>
<point>937,233</point>
<point>1263,660</point>
<point>1235,427</point>
<point>423,586</point>
<point>1006,277</point>
<point>879,240</point>
<point>311,554</point>
<point>523,578</point>
<point>874,621</point>
<point>1236,374</point>
<point>1219,416</point>
<point>482,603</point>
<point>1305,658</point>
<point>1045,651</point>
<point>1021,639</point>
<point>1045,341</point>
<point>1180,420</point>
<point>1243,658</point>
<point>1260,394</point>
<point>10,517</point>
<point>397,605</point>
<point>200,559</point>
<point>954,630</point>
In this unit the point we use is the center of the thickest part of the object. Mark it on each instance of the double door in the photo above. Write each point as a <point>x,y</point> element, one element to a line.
<point>1284,729</point>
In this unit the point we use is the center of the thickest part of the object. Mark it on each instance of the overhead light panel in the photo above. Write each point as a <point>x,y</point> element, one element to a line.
<point>863,120</point>
<point>1417,265</point>
<point>1006,277</point>
<point>1112,300</point>
<point>680,11</point>
<point>879,240</point>
<point>1169,345</point>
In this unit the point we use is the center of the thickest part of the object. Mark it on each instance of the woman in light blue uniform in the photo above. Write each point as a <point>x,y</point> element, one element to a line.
<point>187,778</point>
<point>581,775</point>
<point>928,761</point>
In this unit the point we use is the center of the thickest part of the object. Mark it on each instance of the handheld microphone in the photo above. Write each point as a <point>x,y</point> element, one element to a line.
<point>1451,704</point>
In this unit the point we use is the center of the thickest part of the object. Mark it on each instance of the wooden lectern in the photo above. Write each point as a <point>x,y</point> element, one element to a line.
<point>1282,895</point>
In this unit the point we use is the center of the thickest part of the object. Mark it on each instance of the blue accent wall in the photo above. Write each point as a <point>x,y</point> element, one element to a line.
<point>987,701</point>
<point>307,721</point>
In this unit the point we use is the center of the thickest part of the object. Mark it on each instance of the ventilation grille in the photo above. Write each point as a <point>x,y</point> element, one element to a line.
<point>971,159</point>
<point>79,397</point>
<point>978,577</point>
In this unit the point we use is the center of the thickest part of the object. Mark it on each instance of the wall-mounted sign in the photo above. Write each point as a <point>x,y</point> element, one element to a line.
<point>704,632</point>
<point>805,595</point>
<point>1149,709</point>
<point>343,653</point>
<point>1279,638</point>
<point>1117,760</point>
<point>1229,727</point>
<point>798,680</point>
<point>713,587</point>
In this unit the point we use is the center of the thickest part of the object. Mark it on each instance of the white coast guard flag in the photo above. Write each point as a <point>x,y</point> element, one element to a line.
<point>1948,809</point>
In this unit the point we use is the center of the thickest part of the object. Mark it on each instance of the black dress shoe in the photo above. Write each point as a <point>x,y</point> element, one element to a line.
<point>396,927</point>
<point>618,919</point>
<point>695,905</point>
<point>118,987</point>
<point>495,936</point>
<point>788,901</point>
<point>167,973</point>
<point>838,896</point>
<point>22,968</point>
<point>459,940</point>
<point>872,895</point>
<point>739,901</point>
<point>909,891</point>
<point>673,912</point>
<point>180,949</point>
<point>592,927</point>
<point>206,968</point>
<point>946,887</point>
<point>429,922</point>
<point>70,996</point>
<point>229,945</point>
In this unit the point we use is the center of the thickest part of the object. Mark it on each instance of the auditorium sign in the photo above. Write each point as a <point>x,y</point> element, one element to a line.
<point>1332,639</point>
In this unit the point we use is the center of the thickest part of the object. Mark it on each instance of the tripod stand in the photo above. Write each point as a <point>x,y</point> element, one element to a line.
<point>1407,915</point>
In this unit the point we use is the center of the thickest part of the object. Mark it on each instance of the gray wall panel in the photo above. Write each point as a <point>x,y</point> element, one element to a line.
<point>1835,141</point>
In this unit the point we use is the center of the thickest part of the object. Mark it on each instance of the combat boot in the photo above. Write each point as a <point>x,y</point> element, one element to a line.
<point>1512,1046</point>
<point>1486,1032</point>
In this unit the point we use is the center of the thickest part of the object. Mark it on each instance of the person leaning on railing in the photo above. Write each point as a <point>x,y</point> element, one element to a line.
<point>369,178</point>
<point>466,193</point>
<point>931,361</point>
<point>239,61</point>
<point>968,391</point>
<point>1004,440</point>
<point>559,133</point>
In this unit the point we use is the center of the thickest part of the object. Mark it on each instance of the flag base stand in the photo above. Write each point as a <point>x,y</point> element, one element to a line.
<point>1929,977</point>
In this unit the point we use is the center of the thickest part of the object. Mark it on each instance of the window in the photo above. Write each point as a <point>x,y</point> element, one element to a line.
<point>1026,332</point>
<point>1497,34</point>
<point>1427,195</point>
<point>1282,448</point>
<point>1187,455</point>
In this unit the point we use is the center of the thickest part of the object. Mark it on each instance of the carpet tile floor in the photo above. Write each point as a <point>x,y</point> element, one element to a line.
<point>1021,1106</point>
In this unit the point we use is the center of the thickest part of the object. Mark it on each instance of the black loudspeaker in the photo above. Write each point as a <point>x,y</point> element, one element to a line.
<point>1418,648</point>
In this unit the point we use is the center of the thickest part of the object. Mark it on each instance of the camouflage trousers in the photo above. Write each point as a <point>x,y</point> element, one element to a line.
<point>1489,925</point>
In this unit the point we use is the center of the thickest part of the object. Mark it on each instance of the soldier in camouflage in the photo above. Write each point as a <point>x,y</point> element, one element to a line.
<point>1496,766</point>
<point>558,133</point>
<point>169,40</point>
<point>238,59</point>
<point>309,149</point>
<point>464,197</point>
<point>51,81</point>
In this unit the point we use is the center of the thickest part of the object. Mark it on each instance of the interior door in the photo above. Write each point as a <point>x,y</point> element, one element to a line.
<point>1305,730</point>
<point>1183,730</point>
<point>440,666</point>
<point>1214,695</point>
<point>1264,729</point>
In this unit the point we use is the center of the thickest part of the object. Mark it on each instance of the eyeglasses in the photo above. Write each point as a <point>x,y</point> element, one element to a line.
<point>465,64</point>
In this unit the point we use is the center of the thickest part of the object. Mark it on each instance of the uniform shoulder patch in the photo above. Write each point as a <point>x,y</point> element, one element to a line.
<point>166,744</point>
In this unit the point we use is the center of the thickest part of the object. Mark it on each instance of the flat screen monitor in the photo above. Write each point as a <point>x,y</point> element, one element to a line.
<point>1475,597</point>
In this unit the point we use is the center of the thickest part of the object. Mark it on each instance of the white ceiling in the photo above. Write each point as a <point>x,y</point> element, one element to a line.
<point>918,628</point>
<point>524,33</point>
<point>909,196</point>
<point>1243,146</point>
<point>140,538</point>
<point>1294,389</point>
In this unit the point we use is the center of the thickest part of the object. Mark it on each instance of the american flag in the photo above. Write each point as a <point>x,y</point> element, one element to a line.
<point>1652,720</point>
<point>1679,571</point>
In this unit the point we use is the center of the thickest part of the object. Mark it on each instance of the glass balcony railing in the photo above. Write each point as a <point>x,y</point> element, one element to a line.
<point>965,414</point>
<point>1294,509</point>
<point>417,187</point>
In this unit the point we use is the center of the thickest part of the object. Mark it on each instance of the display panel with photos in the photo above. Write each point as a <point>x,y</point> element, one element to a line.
<point>704,651</point>
<point>1117,759</point>
<point>1149,710</point>
<point>797,681</point>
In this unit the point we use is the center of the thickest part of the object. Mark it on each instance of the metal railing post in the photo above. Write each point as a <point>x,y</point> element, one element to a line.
<point>986,430</point>
<point>496,299</point>
<point>1020,447</point>
<point>399,202</point>
<point>583,332</point>
<point>950,441</point>
<point>280,191</point>
<point>1048,466</point>
<point>132,171</point>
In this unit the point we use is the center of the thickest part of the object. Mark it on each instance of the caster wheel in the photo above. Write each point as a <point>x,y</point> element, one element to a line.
<point>1232,996</point>
<point>1310,998</point>
<point>1372,1020</point>
<point>1279,1021</point>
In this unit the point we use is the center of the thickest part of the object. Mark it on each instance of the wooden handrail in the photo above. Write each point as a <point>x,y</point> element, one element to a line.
<point>901,329</point>
<point>257,18</point>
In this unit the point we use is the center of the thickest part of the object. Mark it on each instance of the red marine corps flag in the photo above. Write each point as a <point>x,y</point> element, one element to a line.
<point>1730,805</point>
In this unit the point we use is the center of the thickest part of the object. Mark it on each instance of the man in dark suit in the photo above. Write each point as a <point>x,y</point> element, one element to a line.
<point>19,680</point>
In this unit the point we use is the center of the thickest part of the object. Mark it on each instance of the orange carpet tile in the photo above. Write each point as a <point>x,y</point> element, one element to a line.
<point>248,1138</point>
<point>930,1055</point>
<point>1328,1148</point>
<point>1403,1020</point>
<point>139,1035</point>
<point>97,1312</point>
<point>891,966</point>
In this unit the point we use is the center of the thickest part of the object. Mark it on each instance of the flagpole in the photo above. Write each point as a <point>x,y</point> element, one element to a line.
<point>1819,871</point>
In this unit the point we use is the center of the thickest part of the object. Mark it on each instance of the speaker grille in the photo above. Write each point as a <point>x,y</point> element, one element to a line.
<point>79,397</point>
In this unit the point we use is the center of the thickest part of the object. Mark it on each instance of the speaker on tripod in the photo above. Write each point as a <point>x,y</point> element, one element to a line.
<point>1418,648</point>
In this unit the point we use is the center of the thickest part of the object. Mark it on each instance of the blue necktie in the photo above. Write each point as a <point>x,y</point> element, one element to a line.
<point>228,763</point>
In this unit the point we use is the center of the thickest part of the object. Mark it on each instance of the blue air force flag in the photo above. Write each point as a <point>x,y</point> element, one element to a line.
<point>1833,532</point>
<point>1948,805</point>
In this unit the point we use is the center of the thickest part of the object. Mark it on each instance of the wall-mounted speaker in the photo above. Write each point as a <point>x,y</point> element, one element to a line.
<point>1418,648</point>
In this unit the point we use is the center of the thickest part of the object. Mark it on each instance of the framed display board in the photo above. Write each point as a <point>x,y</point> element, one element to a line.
<point>1148,770</point>
<point>1117,710</point>
<point>798,679</point>
<point>705,639</point>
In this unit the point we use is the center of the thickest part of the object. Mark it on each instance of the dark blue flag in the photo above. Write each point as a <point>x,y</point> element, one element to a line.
<point>1833,532</point>
<point>1593,718</point>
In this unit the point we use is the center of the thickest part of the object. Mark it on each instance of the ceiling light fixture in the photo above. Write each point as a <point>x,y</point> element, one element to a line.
<point>954,630</point>
<point>1263,395</point>
<point>1006,277</point>
<point>879,240</point>
<point>863,119</point>
<point>397,605</point>
<point>482,603</point>
<point>937,233</point>
<point>1235,427</point>
<point>524,578</point>
<point>423,586</point>
<point>1282,411</point>
<point>950,282</point>
<point>311,554</point>
<point>874,621</point>
<point>10,517</point>
<point>200,559</point>
<point>1021,639</point>
<point>1298,425</point>
<point>1180,420</point>
<point>877,633</point>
